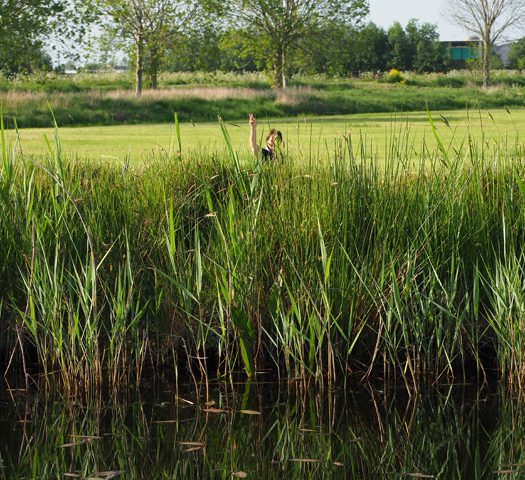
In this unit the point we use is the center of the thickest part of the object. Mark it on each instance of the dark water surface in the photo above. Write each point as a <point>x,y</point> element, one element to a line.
<point>266,431</point>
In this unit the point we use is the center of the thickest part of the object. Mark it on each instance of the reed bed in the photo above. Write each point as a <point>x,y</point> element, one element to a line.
<point>410,270</point>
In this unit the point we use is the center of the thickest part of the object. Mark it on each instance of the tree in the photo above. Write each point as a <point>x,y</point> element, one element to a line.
<point>333,56</point>
<point>284,22</point>
<point>198,48</point>
<point>488,19</point>
<point>148,25</point>
<point>401,55</point>
<point>25,23</point>
<point>241,50</point>
<point>428,53</point>
<point>371,49</point>
<point>344,50</point>
<point>517,55</point>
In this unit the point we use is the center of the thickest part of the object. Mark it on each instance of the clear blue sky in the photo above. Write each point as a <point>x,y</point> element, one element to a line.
<point>385,12</point>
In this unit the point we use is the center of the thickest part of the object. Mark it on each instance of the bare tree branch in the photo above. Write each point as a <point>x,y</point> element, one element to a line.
<point>490,20</point>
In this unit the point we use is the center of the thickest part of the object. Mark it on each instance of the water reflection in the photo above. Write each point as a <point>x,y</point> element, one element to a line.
<point>263,431</point>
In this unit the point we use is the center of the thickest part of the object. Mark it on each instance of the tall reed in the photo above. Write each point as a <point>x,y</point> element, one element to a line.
<point>406,268</point>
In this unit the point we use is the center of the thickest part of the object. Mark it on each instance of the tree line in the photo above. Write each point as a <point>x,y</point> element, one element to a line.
<point>344,51</point>
<point>281,37</point>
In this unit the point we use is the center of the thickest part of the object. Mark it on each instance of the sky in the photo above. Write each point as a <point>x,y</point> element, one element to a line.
<point>385,12</point>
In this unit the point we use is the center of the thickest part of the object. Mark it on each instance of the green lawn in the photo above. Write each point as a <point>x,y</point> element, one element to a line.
<point>304,136</point>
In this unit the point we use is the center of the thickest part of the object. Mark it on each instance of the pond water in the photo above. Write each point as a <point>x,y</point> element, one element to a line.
<point>266,431</point>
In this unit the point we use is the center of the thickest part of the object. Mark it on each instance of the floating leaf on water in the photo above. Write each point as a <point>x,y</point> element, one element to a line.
<point>339,464</point>
<point>72,444</point>
<point>239,474</point>
<point>109,474</point>
<point>192,444</point>
<point>210,403</point>
<point>214,410</point>
<point>250,412</point>
<point>305,460</point>
<point>86,437</point>
<point>192,449</point>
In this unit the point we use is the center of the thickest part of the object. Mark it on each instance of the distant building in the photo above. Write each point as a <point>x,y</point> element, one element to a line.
<point>462,50</point>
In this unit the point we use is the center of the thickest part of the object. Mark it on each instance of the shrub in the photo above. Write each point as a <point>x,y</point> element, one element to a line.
<point>393,76</point>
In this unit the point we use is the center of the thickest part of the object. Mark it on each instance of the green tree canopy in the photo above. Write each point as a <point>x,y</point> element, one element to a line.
<point>27,27</point>
<point>427,53</point>
<point>400,48</point>
<point>149,26</point>
<point>517,55</point>
<point>283,23</point>
<point>371,49</point>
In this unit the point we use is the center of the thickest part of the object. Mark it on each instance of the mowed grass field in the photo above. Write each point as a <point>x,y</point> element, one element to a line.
<point>305,137</point>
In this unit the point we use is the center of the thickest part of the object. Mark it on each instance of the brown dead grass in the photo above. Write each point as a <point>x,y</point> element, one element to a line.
<point>204,93</point>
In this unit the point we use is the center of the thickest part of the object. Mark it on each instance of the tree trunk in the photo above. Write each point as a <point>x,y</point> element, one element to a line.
<point>283,67</point>
<point>277,69</point>
<point>154,64</point>
<point>139,67</point>
<point>154,80</point>
<point>486,62</point>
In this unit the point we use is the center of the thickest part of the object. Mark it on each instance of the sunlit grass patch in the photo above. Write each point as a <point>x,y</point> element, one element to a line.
<point>305,136</point>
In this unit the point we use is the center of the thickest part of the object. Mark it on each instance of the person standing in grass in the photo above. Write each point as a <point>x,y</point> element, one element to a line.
<point>274,139</point>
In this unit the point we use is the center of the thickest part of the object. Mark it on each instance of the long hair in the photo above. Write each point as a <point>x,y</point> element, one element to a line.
<point>277,133</point>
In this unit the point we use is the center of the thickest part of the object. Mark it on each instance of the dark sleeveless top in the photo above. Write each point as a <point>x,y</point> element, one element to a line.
<point>267,153</point>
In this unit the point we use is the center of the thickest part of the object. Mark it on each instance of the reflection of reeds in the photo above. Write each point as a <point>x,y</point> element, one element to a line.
<point>446,433</point>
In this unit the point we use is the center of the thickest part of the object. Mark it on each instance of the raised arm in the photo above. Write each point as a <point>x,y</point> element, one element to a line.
<point>253,134</point>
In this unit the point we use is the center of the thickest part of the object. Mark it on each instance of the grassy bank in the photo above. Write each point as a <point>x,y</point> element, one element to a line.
<point>305,137</point>
<point>312,270</point>
<point>109,82</point>
<point>109,100</point>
